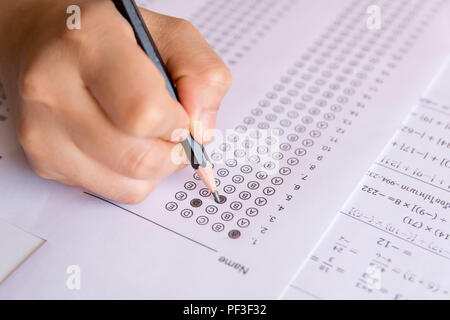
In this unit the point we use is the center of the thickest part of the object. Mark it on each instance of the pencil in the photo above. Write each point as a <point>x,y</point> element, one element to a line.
<point>194,151</point>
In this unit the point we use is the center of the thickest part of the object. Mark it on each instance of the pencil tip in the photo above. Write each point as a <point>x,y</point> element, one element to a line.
<point>216,196</point>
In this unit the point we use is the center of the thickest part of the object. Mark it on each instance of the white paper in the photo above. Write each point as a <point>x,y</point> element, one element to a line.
<point>391,239</point>
<point>316,65</point>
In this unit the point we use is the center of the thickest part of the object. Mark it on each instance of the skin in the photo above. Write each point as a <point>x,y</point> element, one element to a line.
<point>90,108</point>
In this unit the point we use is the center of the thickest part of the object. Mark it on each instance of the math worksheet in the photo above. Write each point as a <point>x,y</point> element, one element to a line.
<point>391,238</point>
<point>319,89</point>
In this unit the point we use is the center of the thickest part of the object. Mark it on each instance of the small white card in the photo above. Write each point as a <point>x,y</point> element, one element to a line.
<point>16,245</point>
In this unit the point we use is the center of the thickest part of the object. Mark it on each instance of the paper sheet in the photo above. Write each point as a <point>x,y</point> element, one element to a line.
<point>391,238</point>
<point>333,90</point>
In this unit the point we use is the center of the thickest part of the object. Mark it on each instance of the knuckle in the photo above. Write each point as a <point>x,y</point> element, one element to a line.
<point>44,169</point>
<point>28,135</point>
<point>145,117</point>
<point>137,195</point>
<point>219,75</point>
<point>137,164</point>
<point>31,86</point>
<point>182,24</point>
<point>44,174</point>
<point>153,116</point>
<point>36,147</point>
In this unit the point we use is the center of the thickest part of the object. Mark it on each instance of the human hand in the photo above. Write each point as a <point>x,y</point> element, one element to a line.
<point>91,108</point>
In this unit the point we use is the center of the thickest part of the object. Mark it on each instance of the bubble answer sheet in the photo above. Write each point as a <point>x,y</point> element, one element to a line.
<point>318,90</point>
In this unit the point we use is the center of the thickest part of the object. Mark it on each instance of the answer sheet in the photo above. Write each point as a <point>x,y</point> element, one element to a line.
<point>317,91</point>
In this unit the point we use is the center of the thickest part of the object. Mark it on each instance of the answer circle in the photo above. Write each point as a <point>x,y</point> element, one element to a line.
<point>246,169</point>
<point>277,181</point>
<point>218,227</point>
<point>222,172</point>
<point>245,195</point>
<point>260,201</point>
<point>251,212</point>
<point>229,188</point>
<point>222,199</point>
<point>202,220</point>
<point>243,222</point>
<point>204,192</point>
<point>190,185</point>
<point>231,162</point>
<point>196,203</point>
<point>171,206</point>
<point>237,178</point>
<point>253,185</point>
<point>236,205</point>
<point>211,209</point>
<point>227,216</point>
<point>181,195</point>
<point>285,171</point>
<point>186,213</point>
<point>268,191</point>
<point>234,234</point>
<point>261,175</point>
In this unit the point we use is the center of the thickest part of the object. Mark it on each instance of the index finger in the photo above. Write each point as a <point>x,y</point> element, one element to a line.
<point>201,77</point>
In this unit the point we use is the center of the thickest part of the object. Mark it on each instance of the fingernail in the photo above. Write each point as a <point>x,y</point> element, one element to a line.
<point>179,135</point>
<point>197,130</point>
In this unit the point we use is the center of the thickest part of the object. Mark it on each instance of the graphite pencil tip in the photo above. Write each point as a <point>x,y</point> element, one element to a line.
<point>216,196</point>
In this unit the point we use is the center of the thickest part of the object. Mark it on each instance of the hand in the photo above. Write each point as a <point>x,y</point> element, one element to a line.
<point>91,108</point>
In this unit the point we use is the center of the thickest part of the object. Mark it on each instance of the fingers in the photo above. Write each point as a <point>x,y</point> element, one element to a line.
<point>53,155</point>
<point>68,138</point>
<point>128,86</point>
<point>202,79</point>
<point>95,177</point>
<point>113,186</point>
<point>134,157</point>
